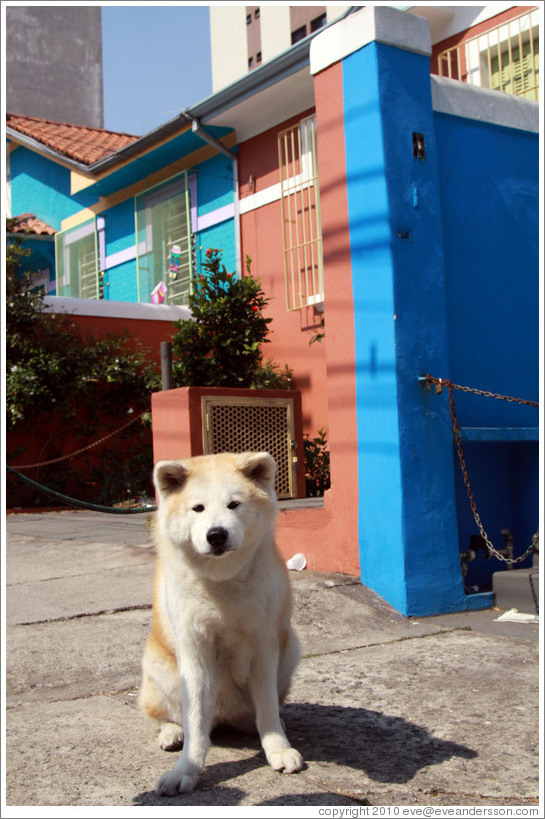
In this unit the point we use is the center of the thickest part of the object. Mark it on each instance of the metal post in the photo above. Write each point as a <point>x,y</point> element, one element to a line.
<point>166,365</point>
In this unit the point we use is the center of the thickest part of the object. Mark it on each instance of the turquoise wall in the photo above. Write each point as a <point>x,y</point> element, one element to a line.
<point>42,187</point>
<point>222,237</point>
<point>214,184</point>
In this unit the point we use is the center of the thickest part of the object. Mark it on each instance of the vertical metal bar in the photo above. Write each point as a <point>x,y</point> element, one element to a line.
<point>500,64</point>
<point>281,164</point>
<point>311,200</point>
<point>533,58</point>
<point>166,365</point>
<point>294,206</point>
<point>303,296</point>
<point>289,207</point>
<point>489,60</point>
<point>317,212</point>
<point>521,60</point>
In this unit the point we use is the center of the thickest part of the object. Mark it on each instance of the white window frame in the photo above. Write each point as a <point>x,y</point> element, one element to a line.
<point>69,237</point>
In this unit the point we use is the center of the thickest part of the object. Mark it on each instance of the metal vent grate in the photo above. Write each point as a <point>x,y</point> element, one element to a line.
<point>240,425</point>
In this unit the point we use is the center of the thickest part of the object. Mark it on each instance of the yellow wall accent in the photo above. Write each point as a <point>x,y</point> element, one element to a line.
<point>165,173</point>
<point>79,181</point>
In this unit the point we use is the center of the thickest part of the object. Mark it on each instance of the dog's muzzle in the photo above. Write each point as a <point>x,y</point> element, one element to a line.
<point>217,537</point>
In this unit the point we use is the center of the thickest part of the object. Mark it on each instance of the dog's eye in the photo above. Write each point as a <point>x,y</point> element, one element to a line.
<point>233,505</point>
<point>198,508</point>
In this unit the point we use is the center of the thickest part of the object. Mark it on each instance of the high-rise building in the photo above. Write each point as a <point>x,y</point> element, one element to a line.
<point>54,63</point>
<point>244,37</point>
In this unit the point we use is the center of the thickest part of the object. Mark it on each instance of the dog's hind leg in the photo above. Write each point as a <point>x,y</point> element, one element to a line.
<point>160,696</point>
<point>289,658</point>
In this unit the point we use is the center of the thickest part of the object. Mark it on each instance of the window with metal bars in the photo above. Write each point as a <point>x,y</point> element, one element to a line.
<point>164,242</point>
<point>505,58</point>
<point>76,262</point>
<point>301,222</point>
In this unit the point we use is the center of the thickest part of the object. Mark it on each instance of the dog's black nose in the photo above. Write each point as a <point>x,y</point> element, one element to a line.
<point>217,538</point>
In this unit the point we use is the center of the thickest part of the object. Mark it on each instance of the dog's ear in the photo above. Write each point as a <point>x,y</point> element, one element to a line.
<point>258,467</point>
<point>169,476</point>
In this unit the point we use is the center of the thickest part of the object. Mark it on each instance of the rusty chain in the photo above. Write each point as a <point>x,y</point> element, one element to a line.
<point>83,449</point>
<point>444,382</point>
<point>439,384</point>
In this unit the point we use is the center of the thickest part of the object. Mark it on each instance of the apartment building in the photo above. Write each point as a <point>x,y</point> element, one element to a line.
<point>244,37</point>
<point>398,208</point>
<point>495,45</point>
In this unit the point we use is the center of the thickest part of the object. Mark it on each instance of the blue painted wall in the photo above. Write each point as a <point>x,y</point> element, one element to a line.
<point>214,184</point>
<point>490,206</point>
<point>413,224</point>
<point>42,187</point>
<point>407,513</point>
<point>380,513</point>
<point>222,237</point>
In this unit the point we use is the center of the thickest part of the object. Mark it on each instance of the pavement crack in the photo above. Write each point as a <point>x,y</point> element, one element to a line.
<point>311,655</point>
<point>68,617</point>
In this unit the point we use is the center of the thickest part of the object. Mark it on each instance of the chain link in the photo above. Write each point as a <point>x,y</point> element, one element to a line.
<point>83,449</point>
<point>440,382</point>
<point>444,382</point>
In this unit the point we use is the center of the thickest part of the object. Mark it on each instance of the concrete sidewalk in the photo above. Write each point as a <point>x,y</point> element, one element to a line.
<point>385,710</point>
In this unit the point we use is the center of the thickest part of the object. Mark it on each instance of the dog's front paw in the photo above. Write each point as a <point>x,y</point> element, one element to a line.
<point>287,760</point>
<point>176,781</point>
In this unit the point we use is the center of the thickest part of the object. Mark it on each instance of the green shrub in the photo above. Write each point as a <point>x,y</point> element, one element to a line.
<point>317,470</point>
<point>221,345</point>
<point>57,378</point>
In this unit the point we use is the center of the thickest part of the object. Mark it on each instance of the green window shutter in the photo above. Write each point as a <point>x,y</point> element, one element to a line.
<point>514,74</point>
<point>76,262</point>
<point>164,244</point>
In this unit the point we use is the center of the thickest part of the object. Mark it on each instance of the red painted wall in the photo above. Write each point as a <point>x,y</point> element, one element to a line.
<point>324,372</point>
<point>261,239</point>
<point>148,332</point>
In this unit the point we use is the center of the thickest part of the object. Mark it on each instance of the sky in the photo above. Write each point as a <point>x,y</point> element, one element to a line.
<point>156,62</point>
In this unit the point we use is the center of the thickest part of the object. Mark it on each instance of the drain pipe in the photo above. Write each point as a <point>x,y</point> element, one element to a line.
<point>201,132</point>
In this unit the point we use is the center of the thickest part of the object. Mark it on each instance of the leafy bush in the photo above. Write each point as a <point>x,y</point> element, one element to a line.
<point>50,366</point>
<point>58,379</point>
<point>317,471</point>
<point>221,345</point>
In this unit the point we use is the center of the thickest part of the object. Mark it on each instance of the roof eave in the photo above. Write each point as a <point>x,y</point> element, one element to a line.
<point>36,145</point>
<point>141,144</point>
<point>289,62</point>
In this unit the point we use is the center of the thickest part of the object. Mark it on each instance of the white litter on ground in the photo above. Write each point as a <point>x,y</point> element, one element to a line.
<point>516,616</point>
<point>297,562</point>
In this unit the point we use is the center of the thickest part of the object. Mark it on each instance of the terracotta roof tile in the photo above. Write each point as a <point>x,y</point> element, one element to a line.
<point>78,142</point>
<point>28,223</point>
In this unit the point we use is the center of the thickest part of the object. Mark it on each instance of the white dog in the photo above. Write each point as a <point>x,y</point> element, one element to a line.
<point>221,649</point>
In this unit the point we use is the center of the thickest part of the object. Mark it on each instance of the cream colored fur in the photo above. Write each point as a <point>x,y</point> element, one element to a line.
<point>221,649</point>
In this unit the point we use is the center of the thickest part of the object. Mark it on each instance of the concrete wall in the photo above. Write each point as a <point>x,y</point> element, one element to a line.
<point>228,27</point>
<point>421,234</point>
<point>54,63</point>
<point>490,206</point>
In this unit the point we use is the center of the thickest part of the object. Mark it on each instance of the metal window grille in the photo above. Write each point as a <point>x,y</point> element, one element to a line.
<point>301,221</point>
<point>163,224</point>
<point>253,425</point>
<point>505,58</point>
<point>76,262</point>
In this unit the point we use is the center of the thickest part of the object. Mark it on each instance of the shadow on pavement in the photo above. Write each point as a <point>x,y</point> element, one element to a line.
<point>387,749</point>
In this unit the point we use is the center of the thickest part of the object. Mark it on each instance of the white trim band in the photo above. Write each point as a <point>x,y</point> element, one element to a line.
<point>382,24</point>
<point>472,102</point>
<point>116,309</point>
